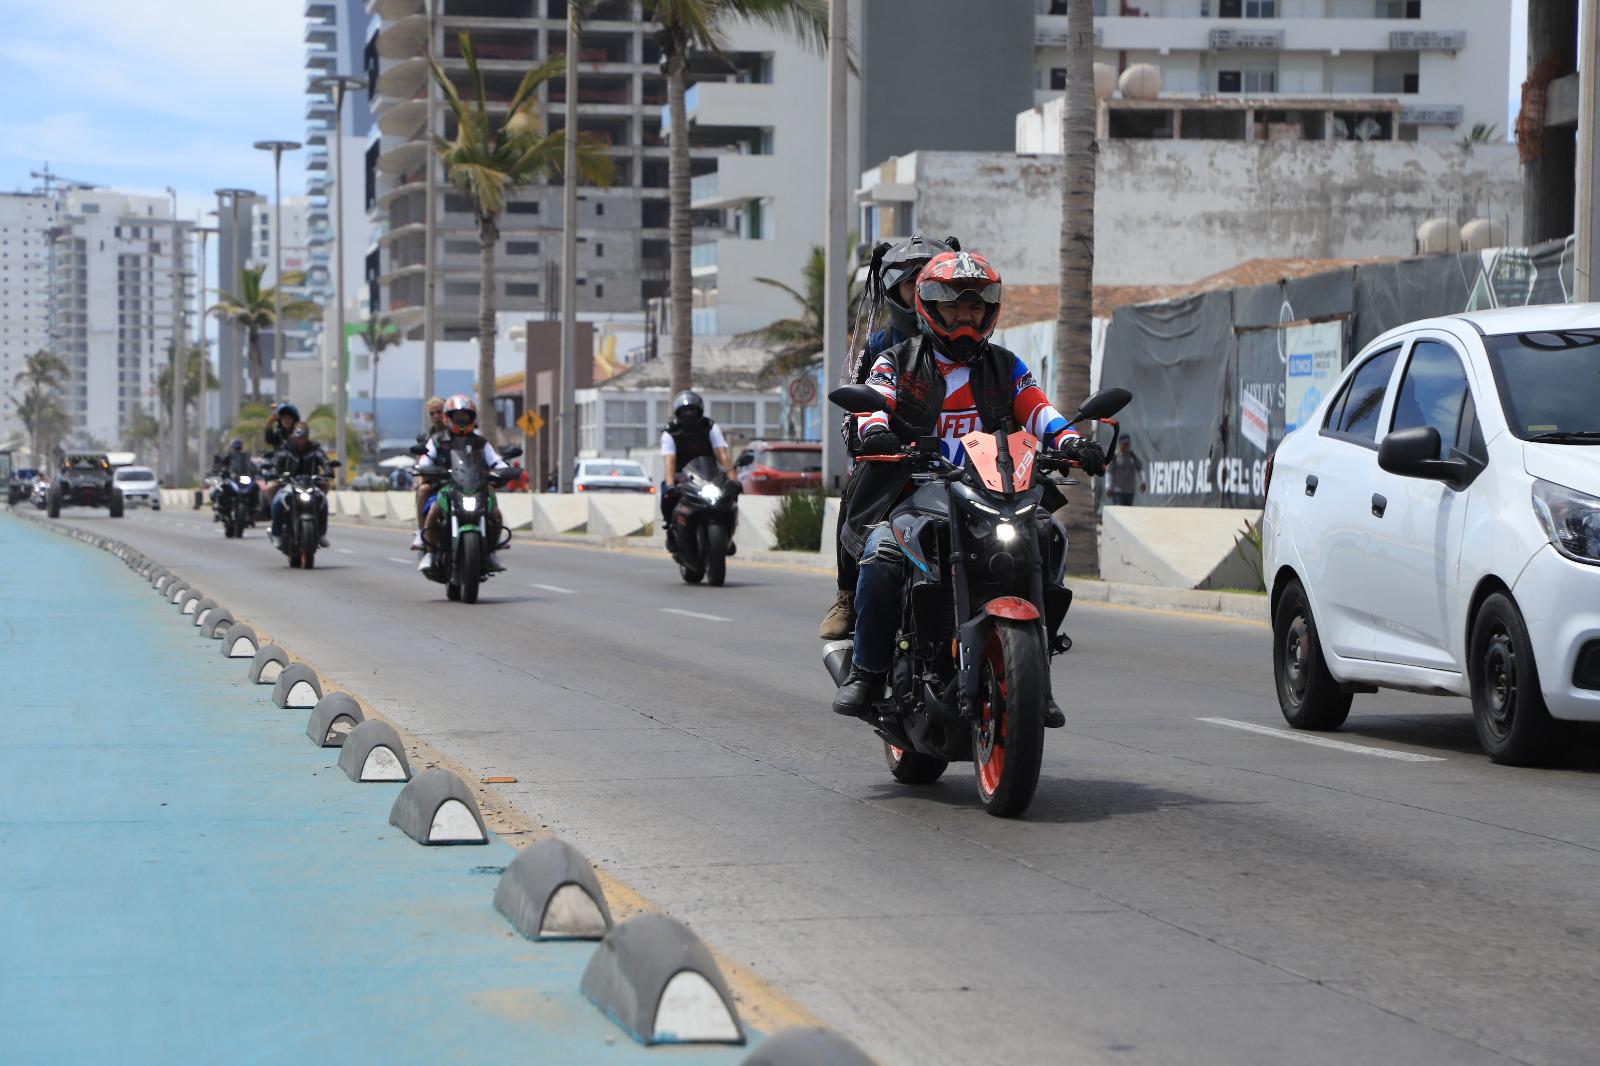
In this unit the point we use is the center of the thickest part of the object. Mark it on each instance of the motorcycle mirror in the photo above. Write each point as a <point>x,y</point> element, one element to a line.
<point>858,399</point>
<point>1103,404</point>
<point>334,462</point>
<point>418,449</point>
<point>512,452</point>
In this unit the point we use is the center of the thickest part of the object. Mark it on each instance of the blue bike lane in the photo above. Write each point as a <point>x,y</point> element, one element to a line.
<point>185,878</point>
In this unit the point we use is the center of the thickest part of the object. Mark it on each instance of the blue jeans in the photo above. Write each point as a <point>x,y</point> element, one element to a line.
<point>280,499</point>
<point>878,586</point>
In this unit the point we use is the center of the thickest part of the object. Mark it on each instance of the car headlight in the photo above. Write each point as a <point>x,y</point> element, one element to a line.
<point>711,493</point>
<point>469,504</point>
<point>1005,532</point>
<point>1571,519</point>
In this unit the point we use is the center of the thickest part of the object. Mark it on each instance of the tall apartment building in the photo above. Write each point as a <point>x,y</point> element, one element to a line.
<point>336,43</point>
<point>622,229</point>
<point>300,337</point>
<point>1446,61</point>
<point>113,260</point>
<point>25,221</point>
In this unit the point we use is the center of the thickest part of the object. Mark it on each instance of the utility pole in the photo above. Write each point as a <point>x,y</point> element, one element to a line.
<point>566,418</point>
<point>430,223</point>
<point>838,260</point>
<point>176,366</point>
<point>277,148</point>
<point>340,84</point>
<point>200,349</point>
<point>1586,265</point>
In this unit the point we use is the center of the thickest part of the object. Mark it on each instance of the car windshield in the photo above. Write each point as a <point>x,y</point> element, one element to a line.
<point>135,473</point>
<point>1549,382</point>
<point>791,460</point>
<point>84,462</point>
<point>612,470</point>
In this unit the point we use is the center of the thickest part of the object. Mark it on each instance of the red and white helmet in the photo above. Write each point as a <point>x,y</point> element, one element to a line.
<point>951,277</point>
<point>462,414</point>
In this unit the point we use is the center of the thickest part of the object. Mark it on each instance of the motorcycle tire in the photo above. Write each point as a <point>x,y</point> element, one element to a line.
<point>294,562</point>
<point>452,592</point>
<point>1008,734</point>
<point>716,556</point>
<point>308,541</point>
<point>912,767</point>
<point>116,503</point>
<point>53,506</point>
<point>471,573</point>
<point>692,577</point>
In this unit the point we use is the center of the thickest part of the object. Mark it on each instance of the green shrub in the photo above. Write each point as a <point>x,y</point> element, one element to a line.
<point>797,524</point>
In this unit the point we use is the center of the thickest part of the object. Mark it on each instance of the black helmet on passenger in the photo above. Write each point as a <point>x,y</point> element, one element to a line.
<point>903,262</point>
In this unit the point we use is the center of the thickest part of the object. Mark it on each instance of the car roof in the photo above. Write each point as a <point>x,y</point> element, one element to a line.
<point>1497,321</point>
<point>144,470</point>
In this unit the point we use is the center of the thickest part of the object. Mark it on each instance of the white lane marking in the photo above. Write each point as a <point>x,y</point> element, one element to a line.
<point>695,614</point>
<point>341,551</point>
<point>555,588</point>
<point>1322,742</point>
<point>403,562</point>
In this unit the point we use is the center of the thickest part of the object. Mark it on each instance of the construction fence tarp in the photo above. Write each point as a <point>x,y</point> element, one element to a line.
<point>1217,376</point>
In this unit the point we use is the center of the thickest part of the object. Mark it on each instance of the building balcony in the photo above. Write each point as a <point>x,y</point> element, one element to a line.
<point>403,158</point>
<point>395,9</point>
<point>703,259</point>
<point>324,35</point>
<point>715,104</point>
<point>322,10</point>
<point>1325,35</point>
<point>405,119</point>
<point>737,180</point>
<point>1050,31</point>
<point>405,38</point>
<point>402,81</point>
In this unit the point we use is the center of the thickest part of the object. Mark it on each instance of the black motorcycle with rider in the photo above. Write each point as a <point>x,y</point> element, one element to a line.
<point>699,494</point>
<point>463,530</point>
<point>236,500</point>
<point>301,471</point>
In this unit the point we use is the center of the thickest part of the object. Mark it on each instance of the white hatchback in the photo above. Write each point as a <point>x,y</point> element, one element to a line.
<point>1435,527</point>
<point>138,485</point>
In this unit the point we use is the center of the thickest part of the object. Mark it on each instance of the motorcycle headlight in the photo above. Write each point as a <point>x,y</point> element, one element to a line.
<point>1571,519</point>
<point>306,496</point>
<point>1005,532</point>
<point>469,504</point>
<point>711,493</point>
<point>244,479</point>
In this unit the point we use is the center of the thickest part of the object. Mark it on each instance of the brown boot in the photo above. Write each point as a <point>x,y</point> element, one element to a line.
<point>840,621</point>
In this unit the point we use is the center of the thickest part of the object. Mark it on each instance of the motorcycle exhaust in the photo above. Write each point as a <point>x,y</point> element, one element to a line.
<point>836,657</point>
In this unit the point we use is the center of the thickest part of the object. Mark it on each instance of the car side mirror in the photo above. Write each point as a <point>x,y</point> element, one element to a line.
<point>746,459</point>
<point>1415,453</point>
<point>858,399</point>
<point>510,453</point>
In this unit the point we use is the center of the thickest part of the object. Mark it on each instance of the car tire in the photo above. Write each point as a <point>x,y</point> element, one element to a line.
<point>1508,709</point>
<point>53,502</point>
<point>1308,695</point>
<point>115,503</point>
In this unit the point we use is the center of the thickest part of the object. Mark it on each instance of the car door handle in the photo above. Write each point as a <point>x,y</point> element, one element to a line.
<point>1311,484</point>
<point>1379,505</point>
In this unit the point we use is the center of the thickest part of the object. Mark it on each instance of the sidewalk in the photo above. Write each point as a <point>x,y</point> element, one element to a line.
<point>187,879</point>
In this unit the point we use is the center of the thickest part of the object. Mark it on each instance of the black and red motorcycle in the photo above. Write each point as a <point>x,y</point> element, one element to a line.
<point>981,609</point>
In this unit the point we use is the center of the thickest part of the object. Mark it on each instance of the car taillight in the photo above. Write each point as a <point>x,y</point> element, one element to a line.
<point>1266,479</point>
<point>651,490</point>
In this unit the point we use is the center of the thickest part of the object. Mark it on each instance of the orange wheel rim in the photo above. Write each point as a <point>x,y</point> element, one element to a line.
<point>991,748</point>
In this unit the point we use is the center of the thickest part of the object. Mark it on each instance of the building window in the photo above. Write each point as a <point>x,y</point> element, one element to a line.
<point>1058,78</point>
<point>1260,81</point>
<point>599,250</point>
<point>1260,9</point>
<point>522,207</point>
<point>522,247</point>
<point>1228,81</point>
<point>522,288</point>
<point>599,291</point>
<point>600,207</point>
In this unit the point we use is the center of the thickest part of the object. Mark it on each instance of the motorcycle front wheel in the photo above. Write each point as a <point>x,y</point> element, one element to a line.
<point>308,541</point>
<point>716,555</point>
<point>471,571</point>
<point>1008,734</point>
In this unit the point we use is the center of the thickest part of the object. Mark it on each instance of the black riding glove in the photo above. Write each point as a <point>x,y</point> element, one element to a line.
<point>1086,453</point>
<point>879,441</point>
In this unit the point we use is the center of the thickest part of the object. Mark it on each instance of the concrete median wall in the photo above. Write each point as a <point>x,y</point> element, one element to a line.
<point>345,503</point>
<point>400,507</point>
<point>1175,547</point>
<point>555,514</point>
<point>517,509</point>
<point>621,514</point>
<point>755,522</point>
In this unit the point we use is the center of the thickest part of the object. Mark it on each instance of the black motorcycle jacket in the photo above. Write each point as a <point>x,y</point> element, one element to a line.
<point>691,443</point>
<point>312,462</point>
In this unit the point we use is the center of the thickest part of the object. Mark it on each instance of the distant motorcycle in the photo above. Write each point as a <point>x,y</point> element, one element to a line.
<point>235,502</point>
<point>303,504</point>
<point>466,500</point>
<point>703,522</point>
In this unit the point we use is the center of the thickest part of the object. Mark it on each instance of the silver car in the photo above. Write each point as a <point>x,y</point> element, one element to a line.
<point>139,485</point>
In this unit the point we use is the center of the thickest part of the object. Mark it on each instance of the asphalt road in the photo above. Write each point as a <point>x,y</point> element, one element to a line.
<point>1182,890</point>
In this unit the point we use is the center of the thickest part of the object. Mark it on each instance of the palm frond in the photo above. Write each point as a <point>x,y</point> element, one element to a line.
<point>532,80</point>
<point>804,20</point>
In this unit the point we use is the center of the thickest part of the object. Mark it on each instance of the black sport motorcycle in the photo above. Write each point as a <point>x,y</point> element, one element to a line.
<point>982,606</point>
<point>703,521</point>
<point>466,500</point>
<point>303,507</point>
<point>235,502</point>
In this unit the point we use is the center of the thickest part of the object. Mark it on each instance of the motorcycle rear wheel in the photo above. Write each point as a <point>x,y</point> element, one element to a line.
<point>471,572</point>
<point>1008,734</point>
<point>452,592</point>
<point>692,577</point>
<point>716,555</point>
<point>912,767</point>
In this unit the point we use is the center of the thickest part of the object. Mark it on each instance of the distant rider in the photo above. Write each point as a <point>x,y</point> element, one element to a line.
<point>461,416</point>
<point>233,463</point>
<point>423,490</point>
<point>893,282</point>
<point>948,382</point>
<point>689,436</point>
<point>280,427</point>
<point>301,457</point>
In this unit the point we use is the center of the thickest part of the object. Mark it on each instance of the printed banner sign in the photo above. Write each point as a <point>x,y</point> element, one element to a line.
<point>1312,362</point>
<point>1254,420</point>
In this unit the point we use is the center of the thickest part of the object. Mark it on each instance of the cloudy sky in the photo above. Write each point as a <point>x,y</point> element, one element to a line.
<point>143,94</point>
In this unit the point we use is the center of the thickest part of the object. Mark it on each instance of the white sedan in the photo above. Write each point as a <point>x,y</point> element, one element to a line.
<point>138,485</point>
<point>611,475</point>
<point>1435,527</point>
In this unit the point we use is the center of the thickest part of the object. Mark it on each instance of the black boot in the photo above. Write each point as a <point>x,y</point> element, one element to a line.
<point>1053,718</point>
<point>858,693</point>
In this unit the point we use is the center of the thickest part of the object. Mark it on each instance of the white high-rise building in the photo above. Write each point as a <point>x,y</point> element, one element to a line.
<point>1446,61</point>
<point>25,221</point>
<point>300,337</point>
<point>111,274</point>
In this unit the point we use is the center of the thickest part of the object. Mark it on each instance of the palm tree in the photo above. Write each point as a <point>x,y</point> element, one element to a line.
<point>797,343</point>
<point>699,25</point>
<point>141,432</point>
<point>42,375</point>
<point>490,157</point>
<point>194,364</point>
<point>252,310</point>
<point>1075,311</point>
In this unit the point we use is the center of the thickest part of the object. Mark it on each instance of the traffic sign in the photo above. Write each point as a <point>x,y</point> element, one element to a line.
<point>803,390</point>
<point>530,423</point>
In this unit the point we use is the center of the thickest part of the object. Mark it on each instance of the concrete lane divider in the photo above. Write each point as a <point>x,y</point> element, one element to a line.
<point>268,663</point>
<point>333,719</point>
<point>175,592</point>
<point>239,641</point>
<point>437,807</point>
<point>191,603</point>
<point>807,1047</point>
<point>218,622</point>
<point>298,688</point>
<point>550,892</point>
<point>374,752</point>
<point>203,612</point>
<point>659,981</point>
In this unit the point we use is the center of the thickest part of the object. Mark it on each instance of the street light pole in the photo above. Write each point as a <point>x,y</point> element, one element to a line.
<point>176,364</point>
<point>430,220</point>
<point>277,148</point>
<point>340,84</point>
<point>200,349</point>
<point>228,200</point>
<point>566,420</point>
<point>838,261</point>
<point>1587,251</point>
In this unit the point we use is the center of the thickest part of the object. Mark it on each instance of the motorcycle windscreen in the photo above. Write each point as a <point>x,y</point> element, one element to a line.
<point>1023,447</point>
<point>983,452</point>
<point>705,468</point>
<point>467,468</point>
